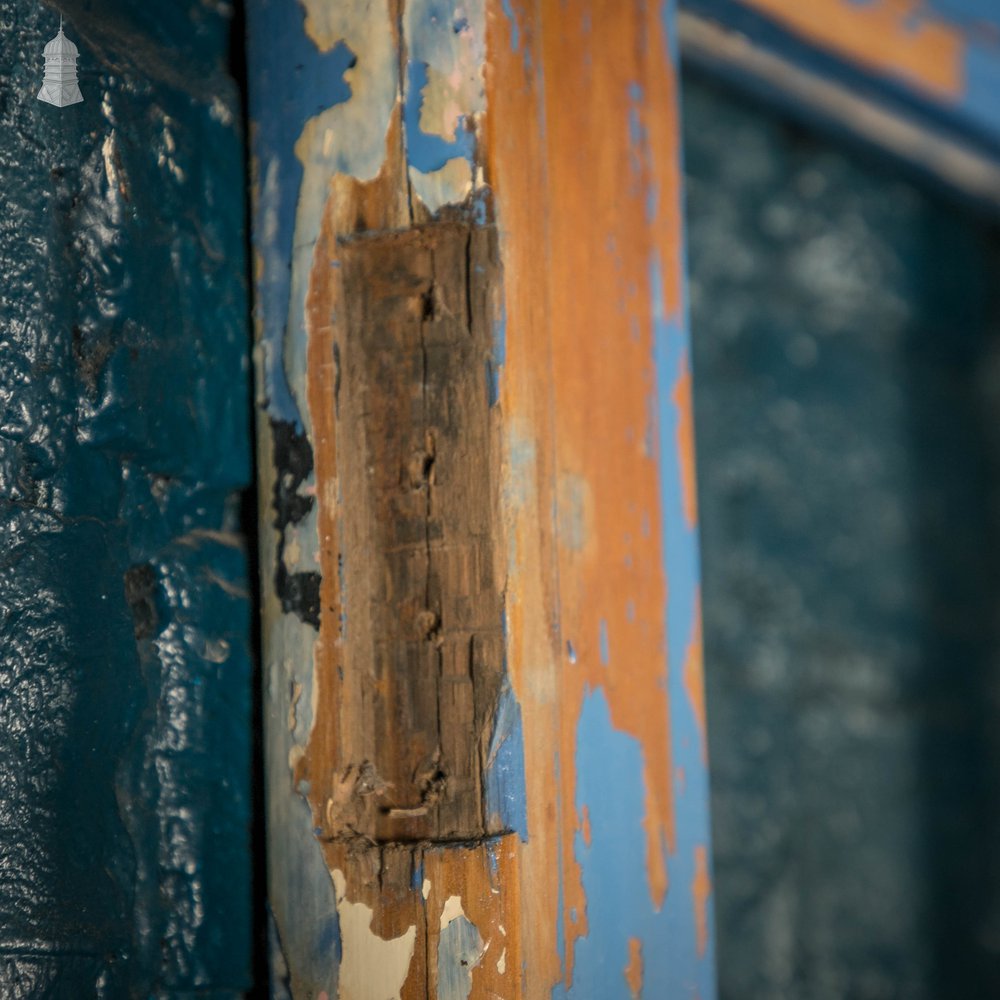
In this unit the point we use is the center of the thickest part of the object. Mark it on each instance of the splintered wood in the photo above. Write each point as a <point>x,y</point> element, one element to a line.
<point>421,643</point>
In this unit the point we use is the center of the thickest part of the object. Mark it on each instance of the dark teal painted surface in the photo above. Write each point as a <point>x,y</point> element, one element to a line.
<point>846,331</point>
<point>124,443</point>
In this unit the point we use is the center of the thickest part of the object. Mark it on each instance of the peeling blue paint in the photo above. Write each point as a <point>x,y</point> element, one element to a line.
<point>609,768</point>
<point>683,571</point>
<point>506,797</point>
<point>292,81</point>
<point>639,151</point>
<point>652,201</point>
<point>668,18</point>
<point>425,152</point>
<point>481,209</point>
<point>315,942</point>
<point>460,950</point>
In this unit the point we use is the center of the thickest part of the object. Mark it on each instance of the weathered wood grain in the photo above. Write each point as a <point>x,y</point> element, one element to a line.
<point>420,617</point>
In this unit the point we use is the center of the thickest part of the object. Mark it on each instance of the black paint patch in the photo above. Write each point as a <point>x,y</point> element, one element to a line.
<point>293,464</point>
<point>299,593</point>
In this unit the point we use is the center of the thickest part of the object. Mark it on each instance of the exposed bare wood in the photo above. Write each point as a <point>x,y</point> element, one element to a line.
<point>422,645</point>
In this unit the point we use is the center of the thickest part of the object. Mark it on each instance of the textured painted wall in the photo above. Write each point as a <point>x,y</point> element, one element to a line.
<point>124,614</point>
<point>847,340</point>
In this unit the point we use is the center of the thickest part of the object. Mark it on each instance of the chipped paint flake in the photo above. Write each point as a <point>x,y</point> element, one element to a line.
<point>451,184</point>
<point>451,910</point>
<point>372,968</point>
<point>701,891</point>
<point>633,968</point>
<point>694,679</point>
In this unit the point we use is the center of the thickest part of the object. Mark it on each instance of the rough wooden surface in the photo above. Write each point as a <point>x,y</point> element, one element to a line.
<point>420,643</point>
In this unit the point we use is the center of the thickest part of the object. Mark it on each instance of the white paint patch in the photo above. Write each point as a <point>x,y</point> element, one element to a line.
<point>372,968</point>
<point>450,185</point>
<point>502,962</point>
<point>426,888</point>
<point>452,910</point>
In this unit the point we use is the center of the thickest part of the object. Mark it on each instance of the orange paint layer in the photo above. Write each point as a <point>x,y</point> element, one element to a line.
<point>895,37</point>
<point>585,826</point>
<point>682,399</point>
<point>582,212</point>
<point>701,890</point>
<point>694,678</point>
<point>633,969</point>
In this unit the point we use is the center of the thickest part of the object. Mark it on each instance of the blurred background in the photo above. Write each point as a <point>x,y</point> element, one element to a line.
<point>846,331</point>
